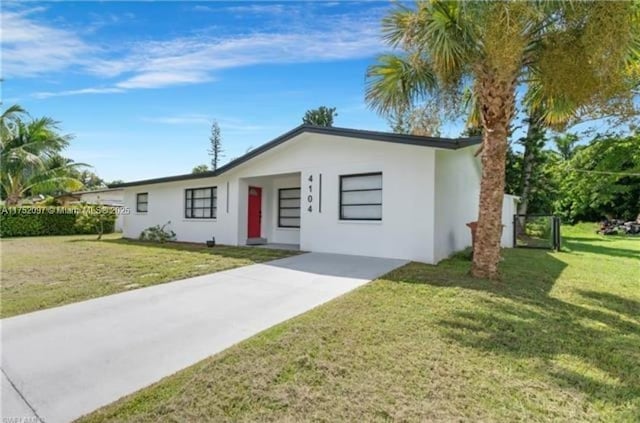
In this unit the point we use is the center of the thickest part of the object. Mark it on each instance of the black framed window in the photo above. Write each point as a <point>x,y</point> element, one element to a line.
<point>142,202</point>
<point>289,208</point>
<point>361,196</point>
<point>201,203</point>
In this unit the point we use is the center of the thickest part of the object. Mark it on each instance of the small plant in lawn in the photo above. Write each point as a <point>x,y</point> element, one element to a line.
<point>96,219</point>
<point>158,234</point>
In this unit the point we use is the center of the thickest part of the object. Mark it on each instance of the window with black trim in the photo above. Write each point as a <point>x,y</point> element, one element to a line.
<point>361,196</point>
<point>289,208</point>
<point>201,203</point>
<point>142,202</point>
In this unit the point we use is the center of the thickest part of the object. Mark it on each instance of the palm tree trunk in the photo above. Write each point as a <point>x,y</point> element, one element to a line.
<point>496,98</point>
<point>13,198</point>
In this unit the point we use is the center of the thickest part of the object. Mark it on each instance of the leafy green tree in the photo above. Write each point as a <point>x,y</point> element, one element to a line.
<point>95,219</point>
<point>513,175</point>
<point>601,180</point>
<point>322,116</point>
<point>30,159</point>
<point>575,54</point>
<point>215,151</point>
<point>200,169</point>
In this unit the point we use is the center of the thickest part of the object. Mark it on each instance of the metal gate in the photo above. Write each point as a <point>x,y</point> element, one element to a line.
<point>536,231</point>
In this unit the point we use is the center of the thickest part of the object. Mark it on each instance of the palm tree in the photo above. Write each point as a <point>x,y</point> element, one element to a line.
<point>29,158</point>
<point>566,145</point>
<point>577,54</point>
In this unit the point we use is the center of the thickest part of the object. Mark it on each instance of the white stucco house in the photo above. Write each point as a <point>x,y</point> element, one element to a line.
<point>331,190</point>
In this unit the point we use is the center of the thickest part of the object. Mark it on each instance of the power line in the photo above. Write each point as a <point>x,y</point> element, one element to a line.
<point>601,172</point>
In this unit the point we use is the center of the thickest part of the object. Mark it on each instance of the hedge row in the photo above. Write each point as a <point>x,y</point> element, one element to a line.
<point>34,221</point>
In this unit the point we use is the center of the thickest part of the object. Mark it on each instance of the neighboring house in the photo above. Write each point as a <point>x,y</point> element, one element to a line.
<point>327,190</point>
<point>107,197</point>
<point>112,197</point>
<point>67,199</point>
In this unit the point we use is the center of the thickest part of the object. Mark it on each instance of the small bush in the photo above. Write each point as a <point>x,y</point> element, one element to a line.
<point>158,234</point>
<point>43,221</point>
<point>96,220</point>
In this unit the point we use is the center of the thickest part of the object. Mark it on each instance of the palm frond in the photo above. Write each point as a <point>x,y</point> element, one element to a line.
<point>471,107</point>
<point>56,178</point>
<point>450,39</point>
<point>395,82</point>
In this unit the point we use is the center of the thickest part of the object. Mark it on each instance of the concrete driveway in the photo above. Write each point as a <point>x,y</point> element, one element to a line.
<point>62,363</point>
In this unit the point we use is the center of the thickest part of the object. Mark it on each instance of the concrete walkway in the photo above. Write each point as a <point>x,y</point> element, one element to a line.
<point>62,363</point>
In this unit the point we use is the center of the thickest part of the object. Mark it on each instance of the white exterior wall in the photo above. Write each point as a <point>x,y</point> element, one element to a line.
<point>458,175</point>
<point>407,223</point>
<point>422,220</point>
<point>166,203</point>
<point>406,229</point>
<point>509,208</point>
<point>457,193</point>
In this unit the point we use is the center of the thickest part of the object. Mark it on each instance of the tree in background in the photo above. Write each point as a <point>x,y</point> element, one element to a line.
<point>89,179</point>
<point>601,179</point>
<point>565,145</point>
<point>30,160</point>
<point>533,143</point>
<point>215,151</point>
<point>424,120</point>
<point>322,116</point>
<point>200,169</point>
<point>580,54</point>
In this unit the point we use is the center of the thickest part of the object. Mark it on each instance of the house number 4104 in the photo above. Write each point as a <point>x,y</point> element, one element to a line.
<point>310,195</point>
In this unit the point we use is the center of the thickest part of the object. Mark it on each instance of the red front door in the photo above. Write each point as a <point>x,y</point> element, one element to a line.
<point>255,212</point>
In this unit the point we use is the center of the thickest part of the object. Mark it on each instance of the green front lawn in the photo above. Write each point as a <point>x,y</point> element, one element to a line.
<point>43,272</point>
<point>557,340</point>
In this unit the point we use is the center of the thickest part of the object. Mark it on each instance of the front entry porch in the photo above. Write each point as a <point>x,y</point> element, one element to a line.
<point>270,211</point>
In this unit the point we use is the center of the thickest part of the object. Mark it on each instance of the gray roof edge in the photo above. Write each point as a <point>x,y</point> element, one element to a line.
<point>417,140</point>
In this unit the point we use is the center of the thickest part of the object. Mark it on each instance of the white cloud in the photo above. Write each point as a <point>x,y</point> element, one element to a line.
<point>260,8</point>
<point>227,124</point>
<point>34,48</point>
<point>163,79</point>
<point>246,8</point>
<point>191,60</point>
<point>107,90</point>
<point>30,48</point>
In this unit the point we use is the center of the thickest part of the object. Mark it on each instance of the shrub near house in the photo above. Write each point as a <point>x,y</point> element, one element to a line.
<point>42,221</point>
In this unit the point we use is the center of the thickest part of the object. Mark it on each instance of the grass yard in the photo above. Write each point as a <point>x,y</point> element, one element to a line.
<point>45,272</point>
<point>557,340</point>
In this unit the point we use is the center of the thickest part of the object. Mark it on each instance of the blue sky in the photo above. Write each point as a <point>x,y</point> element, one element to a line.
<point>139,83</point>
